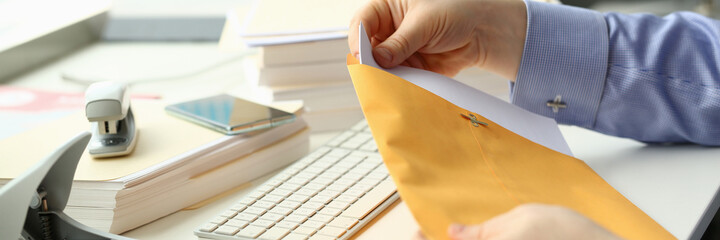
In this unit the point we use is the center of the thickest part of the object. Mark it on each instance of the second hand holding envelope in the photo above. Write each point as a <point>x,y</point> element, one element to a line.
<point>449,167</point>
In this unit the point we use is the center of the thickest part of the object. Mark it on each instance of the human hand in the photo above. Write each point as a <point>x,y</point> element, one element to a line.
<point>533,221</point>
<point>444,36</point>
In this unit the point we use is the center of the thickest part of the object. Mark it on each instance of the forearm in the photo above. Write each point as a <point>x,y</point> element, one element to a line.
<point>638,76</point>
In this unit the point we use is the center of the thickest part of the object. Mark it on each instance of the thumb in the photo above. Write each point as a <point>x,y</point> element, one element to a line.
<point>403,43</point>
<point>463,232</point>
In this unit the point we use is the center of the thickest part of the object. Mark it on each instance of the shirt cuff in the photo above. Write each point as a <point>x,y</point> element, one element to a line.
<point>564,61</point>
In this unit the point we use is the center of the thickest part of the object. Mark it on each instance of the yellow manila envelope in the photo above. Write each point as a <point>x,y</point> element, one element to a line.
<point>450,168</point>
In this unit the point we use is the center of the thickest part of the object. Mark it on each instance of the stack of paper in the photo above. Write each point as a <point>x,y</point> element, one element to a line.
<point>302,55</point>
<point>175,164</point>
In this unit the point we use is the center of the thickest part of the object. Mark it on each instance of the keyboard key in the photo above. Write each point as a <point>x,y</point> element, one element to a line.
<point>289,186</point>
<point>338,152</point>
<point>371,200</point>
<point>305,175</point>
<point>369,165</point>
<point>236,223</point>
<point>361,171</point>
<point>263,205</point>
<point>308,192</point>
<point>228,213</point>
<point>254,210</point>
<point>346,198</point>
<point>351,144</point>
<point>315,206</point>
<point>247,201</point>
<point>299,180</point>
<point>359,126</point>
<point>375,158</point>
<point>332,231</point>
<point>338,169</point>
<point>321,218</point>
<point>272,217</point>
<point>330,211</point>
<point>290,204</point>
<point>339,204</point>
<point>345,182</point>
<point>353,176</point>
<point>208,227</point>
<point>354,192</point>
<point>287,224</point>
<point>330,175</point>
<point>322,181</point>
<point>304,212</point>
<point>227,230</point>
<point>281,210</point>
<point>280,192</point>
<point>322,237</point>
<point>343,222</point>
<point>314,170</point>
<point>246,217</point>
<point>294,217</point>
<point>262,223</point>
<point>363,136</point>
<point>377,175</point>
<point>313,224</point>
<point>337,187</point>
<point>329,193</point>
<point>251,232</point>
<point>219,220</point>
<point>238,207</point>
<point>272,199</point>
<point>305,230</point>
<point>323,164</point>
<point>274,183</point>
<point>275,233</point>
<point>369,146</point>
<point>324,199</point>
<point>295,236</point>
<point>256,194</point>
<point>315,186</point>
<point>369,181</point>
<point>362,187</point>
<point>297,197</point>
<point>293,169</point>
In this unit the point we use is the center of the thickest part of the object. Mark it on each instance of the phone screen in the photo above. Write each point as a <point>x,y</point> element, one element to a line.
<point>230,115</point>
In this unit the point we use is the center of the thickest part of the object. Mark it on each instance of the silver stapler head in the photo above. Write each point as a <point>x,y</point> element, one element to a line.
<point>32,204</point>
<point>107,107</point>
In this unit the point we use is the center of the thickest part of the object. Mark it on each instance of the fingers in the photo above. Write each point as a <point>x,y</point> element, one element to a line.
<point>463,232</point>
<point>371,15</point>
<point>403,43</point>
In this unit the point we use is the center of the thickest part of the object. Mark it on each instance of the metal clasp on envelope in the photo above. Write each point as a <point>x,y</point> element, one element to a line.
<point>474,120</point>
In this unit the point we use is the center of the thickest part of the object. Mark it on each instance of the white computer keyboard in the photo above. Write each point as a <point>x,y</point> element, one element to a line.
<point>329,194</point>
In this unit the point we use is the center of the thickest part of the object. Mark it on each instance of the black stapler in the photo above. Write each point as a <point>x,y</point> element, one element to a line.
<point>32,204</point>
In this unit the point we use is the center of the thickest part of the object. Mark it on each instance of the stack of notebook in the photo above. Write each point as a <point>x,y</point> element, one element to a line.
<point>175,164</point>
<point>301,56</point>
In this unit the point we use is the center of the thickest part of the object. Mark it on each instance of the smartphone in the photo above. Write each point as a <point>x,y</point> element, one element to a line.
<point>230,115</point>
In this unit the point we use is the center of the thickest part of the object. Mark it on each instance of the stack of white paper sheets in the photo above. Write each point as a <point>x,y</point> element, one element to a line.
<point>175,164</point>
<point>302,56</point>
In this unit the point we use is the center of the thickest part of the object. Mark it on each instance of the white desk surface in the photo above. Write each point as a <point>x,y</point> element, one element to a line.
<point>672,184</point>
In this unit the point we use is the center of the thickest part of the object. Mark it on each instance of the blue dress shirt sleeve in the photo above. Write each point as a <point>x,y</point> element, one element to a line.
<point>637,76</point>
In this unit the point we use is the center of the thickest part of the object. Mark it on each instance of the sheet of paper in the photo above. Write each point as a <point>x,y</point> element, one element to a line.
<point>536,128</point>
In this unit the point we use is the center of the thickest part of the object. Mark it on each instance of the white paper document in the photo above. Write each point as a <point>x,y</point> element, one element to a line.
<point>539,129</point>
